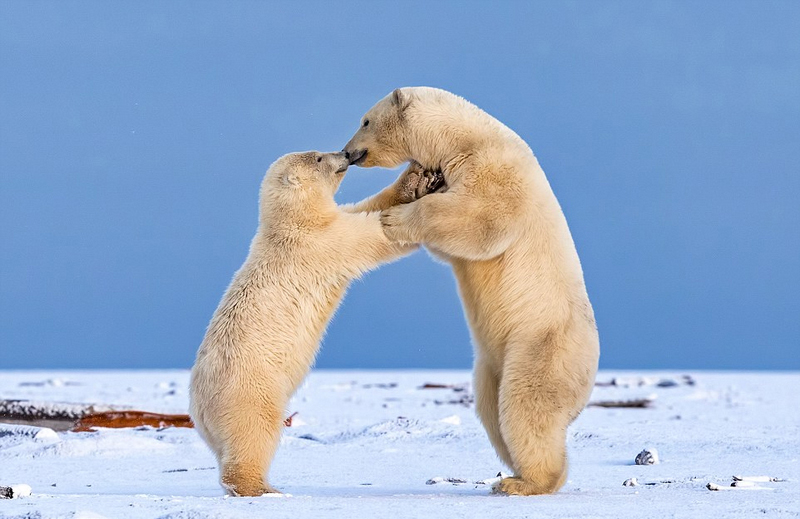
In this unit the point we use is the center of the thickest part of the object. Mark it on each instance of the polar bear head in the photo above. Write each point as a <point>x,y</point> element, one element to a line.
<point>381,138</point>
<point>425,124</point>
<point>298,181</point>
<point>309,170</point>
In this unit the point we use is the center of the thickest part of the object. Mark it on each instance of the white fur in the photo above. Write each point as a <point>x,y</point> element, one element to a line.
<point>501,228</point>
<point>266,331</point>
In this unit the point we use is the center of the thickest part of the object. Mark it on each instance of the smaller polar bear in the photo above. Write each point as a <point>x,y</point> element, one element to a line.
<point>266,331</point>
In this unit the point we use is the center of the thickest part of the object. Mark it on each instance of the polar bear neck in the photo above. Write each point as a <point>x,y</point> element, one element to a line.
<point>441,127</point>
<point>296,211</point>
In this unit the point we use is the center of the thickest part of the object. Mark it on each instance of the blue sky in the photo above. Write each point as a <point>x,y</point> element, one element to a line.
<point>134,136</point>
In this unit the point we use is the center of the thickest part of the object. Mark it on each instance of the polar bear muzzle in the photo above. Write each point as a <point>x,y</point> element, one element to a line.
<point>355,156</point>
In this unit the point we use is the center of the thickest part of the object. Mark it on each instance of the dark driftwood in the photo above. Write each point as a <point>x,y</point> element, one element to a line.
<point>62,416</point>
<point>682,380</point>
<point>635,403</point>
<point>122,419</point>
<point>454,387</point>
<point>59,416</point>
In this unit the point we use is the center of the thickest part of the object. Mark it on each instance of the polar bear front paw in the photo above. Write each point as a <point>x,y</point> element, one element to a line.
<point>394,224</point>
<point>409,183</point>
<point>416,182</point>
<point>431,182</point>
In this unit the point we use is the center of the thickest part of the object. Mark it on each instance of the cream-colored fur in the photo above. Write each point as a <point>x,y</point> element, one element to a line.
<point>266,331</point>
<point>501,228</point>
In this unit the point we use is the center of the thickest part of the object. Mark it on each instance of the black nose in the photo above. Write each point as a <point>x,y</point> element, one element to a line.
<point>346,155</point>
<point>355,156</point>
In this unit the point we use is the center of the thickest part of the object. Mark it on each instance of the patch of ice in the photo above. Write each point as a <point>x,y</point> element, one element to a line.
<point>439,479</point>
<point>87,514</point>
<point>401,428</point>
<point>191,514</point>
<point>734,486</point>
<point>105,443</point>
<point>758,479</point>
<point>346,386</point>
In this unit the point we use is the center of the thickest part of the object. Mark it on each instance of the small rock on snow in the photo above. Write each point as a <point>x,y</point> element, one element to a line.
<point>15,491</point>
<point>647,457</point>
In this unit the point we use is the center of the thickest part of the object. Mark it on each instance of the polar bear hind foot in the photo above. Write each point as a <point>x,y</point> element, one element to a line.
<point>517,486</point>
<point>238,484</point>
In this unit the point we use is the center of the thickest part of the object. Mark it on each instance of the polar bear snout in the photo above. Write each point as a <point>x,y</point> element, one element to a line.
<point>335,162</point>
<point>355,156</point>
<point>342,161</point>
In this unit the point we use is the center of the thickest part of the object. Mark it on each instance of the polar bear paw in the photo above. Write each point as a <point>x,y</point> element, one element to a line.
<point>249,490</point>
<point>394,224</point>
<point>416,182</point>
<point>408,183</point>
<point>431,182</point>
<point>517,487</point>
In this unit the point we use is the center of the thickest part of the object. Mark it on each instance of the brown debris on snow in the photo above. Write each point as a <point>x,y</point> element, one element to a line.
<point>59,416</point>
<point>455,387</point>
<point>634,403</point>
<point>683,380</point>
<point>466,400</point>
<point>62,416</point>
<point>380,385</point>
<point>14,491</point>
<point>288,421</point>
<point>123,419</point>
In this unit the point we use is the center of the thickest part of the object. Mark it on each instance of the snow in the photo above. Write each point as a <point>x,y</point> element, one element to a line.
<point>373,444</point>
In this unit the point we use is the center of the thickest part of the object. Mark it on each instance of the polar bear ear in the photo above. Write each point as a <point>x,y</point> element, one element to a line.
<point>290,179</point>
<point>400,100</point>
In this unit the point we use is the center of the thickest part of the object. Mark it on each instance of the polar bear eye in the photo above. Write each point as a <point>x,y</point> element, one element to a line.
<point>366,123</point>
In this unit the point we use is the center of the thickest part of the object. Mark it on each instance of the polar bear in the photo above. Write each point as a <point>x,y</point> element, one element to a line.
<point>266,331</point>
<point>499,225</point>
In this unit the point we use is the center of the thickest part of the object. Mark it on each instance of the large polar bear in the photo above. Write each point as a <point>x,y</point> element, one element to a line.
<point>266,331</point>
<point>501,228</point>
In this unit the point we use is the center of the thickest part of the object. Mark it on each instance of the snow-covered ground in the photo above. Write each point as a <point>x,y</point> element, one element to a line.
<point>365,444</point>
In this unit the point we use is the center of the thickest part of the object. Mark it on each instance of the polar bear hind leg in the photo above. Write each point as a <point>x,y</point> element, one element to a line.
<point>533,423</point>
<point>486,384</point>
<point>248,450</point>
